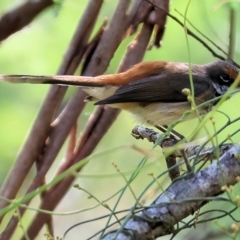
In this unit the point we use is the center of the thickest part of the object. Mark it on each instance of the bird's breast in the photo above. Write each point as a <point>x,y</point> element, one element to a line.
<point>155,113</point>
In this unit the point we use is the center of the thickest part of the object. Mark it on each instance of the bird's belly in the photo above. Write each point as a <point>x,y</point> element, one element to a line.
<point>156,113</point>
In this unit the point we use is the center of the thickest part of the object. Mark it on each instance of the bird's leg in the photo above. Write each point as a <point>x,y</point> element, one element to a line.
<point>170,159</point>
<point>173,133</point>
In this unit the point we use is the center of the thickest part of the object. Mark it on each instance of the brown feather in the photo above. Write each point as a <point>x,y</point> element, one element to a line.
<point>138,71</point>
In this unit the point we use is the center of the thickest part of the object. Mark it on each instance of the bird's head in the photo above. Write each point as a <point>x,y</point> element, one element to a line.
<point>222,74</point>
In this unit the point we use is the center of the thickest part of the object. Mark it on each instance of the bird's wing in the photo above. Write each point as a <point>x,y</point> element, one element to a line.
<point>158,88</point>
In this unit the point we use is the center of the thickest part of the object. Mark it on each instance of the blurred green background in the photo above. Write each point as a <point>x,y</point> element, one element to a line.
<point>39,49</point>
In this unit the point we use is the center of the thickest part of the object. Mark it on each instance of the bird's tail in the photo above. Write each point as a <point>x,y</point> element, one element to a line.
<point>57,79</point>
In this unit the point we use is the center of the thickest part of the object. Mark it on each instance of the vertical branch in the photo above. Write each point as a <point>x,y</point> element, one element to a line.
<point>33,145</point>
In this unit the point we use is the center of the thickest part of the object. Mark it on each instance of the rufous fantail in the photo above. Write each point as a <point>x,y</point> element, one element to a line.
<point>155,92</point>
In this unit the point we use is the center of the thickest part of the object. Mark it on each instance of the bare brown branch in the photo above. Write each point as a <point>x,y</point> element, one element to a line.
<point>41,128</point>
<point>103,116</point>
<point>21,16</point>
<point>33,146</point>
<point>155,16</point>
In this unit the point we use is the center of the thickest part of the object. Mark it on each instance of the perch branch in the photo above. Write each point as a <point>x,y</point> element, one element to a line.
<point>181,199</point>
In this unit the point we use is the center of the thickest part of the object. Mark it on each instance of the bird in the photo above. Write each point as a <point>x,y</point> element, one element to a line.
<point>155,92</point>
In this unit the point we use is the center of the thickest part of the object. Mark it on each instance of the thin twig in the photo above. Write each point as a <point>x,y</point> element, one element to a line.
<point>203,35</point>
<point>190,33</point>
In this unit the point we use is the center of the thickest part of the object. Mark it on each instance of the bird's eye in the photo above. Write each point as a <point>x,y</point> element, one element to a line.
<point>225,78</point>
